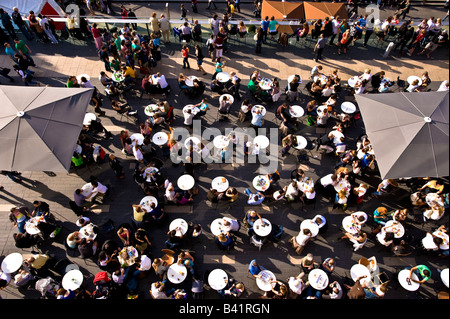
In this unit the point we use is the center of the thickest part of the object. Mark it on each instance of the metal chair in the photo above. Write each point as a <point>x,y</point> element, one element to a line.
<point>256,242</point>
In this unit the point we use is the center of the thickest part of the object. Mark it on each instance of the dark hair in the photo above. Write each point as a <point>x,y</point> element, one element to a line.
<point>389,236</point>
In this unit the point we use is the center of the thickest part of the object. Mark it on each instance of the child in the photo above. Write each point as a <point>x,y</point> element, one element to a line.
<point>183,12</point>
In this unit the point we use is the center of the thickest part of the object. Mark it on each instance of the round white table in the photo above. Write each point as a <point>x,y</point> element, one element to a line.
<point>353,80</point>
<point>87,189</point>
<point>263,282</point>
<point>359,270</point>
<point>321,108</point>
<point>323,79</point>
<point>261,108</point>
<point>229,97</point>
<point>148,171</point>
<point>137,138</point>
<point>146,201</point>
<point>444,236</point>
<point>406,282</point>
<point>348,107</point>
<point>397,229</point>
<point>342,184</point>
<point>265,84</point>
<point>160,138</point>
<point>117,77</point>
<point>221,141</point>
<point>12,263</point>
<point>350,226</point>
<point>216,226</point>
<point>433,199</point>
<point>262,141</point>
<point>223,77</point>
<point>176,273</point>
<point>150,109</point>
<point>305,185</point>
<point>261,183</point>
<point>311,225</point>
<point>291,78</point>
<point>87,232</point>
<point>318,279</point>
<point>181,223</point>
<point>217,279</point>
<point>190,80</point>
<point>185,182</point>
<point>261,229</point>
<point>86,76</point>
<point>88,118</point>
<point>444,276</point>
<point>72,280</point>
<point>220,184</point>
<point>127,256</point>
<point>301,142</point>
<point>296,111</point>
<point>411,79</point>
<point>31,226</point>
<point>194,109</point>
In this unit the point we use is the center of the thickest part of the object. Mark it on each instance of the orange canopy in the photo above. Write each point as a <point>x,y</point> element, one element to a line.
<point>321,10</point>
<point>283,11</point>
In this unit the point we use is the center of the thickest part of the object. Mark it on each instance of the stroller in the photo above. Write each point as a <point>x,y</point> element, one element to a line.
<point>47,287</point>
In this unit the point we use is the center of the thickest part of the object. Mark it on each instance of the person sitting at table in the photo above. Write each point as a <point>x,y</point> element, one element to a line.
<point>307,264</point>
<point>124,235</point>
<point>230,225</point>
<point>173,240</point>
<point>360,87</point>
<point>129,75</point>
<point>381,216</point>
<point>311,108</point>
<point>231,194</point>
<point>335,291</point>
<point>291,192</point>
<point>299,242</point>
<point>287,142</point>
<point>430,243</point>
<point>386,236</point>
<point>257,119</point>
<point>73,239</point>
<point>157,214</point>
<point>321,222</point>
<point>39,264</point>
<point>224,241</point>
<point>422,272</point>
<point>385,186</point>
<point>254,269</point>
<point>224,105</point>
<point>254,87</point>
<point>435,212</point>
<point>341,200</point>
<point>316,90</point>
<point>40,209</point>
<point>213,195</point>
<point>217,86</point>
<point>254,198</point>
<point>359,239</point>
<point>197,89</point>
<point>433,186</point>
<point>98,190</point>
<point>322,118</point>
<point>203,106</point>
<point>282,113</point>
<point>249,219</point>
<point>19,216</point>
<point>87,248</point>
<point>25,240</point>
<point>122,107</point>
<point>328,266</point>
<point>413,86</point>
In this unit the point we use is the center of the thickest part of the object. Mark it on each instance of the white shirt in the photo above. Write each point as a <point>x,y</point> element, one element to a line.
<point>146,263</point>
<point>335,26</point>
<point>164,24</point>
<point>162,82</point>
<point>302,239</point>
<point>326,180</point>
<point>245,108</point>
<point>234,224</point>
<point>188,118</point>
<point>137,154</point>
<point>100,188</point>
<point>291,191</point>
<point>336,136</point>
<point>443,86</point>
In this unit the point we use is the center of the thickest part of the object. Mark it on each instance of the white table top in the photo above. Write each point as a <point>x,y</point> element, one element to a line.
<point>301,142</point>
<point>352,81</point>
<point>160,138</point>
<point>12,263</point>
<point>221,141</point>
<point>444,236</point>
<point>149,170</point>
<point>176,273</point>
<point>411,79</point>
<point>263,283</point>
<point>117,76</point>
<point>195,141</point>
<point>150,109</point>
<point>31,225</point>
<point>137,138</point>
<point>311,225</point>
<point>323,78</point>
<point>405,282</point>
<point>220,184</point>
<point>262,108</point>
<point>359,270</point>
<point>217,279</point>
<point>348,107</point>
<point>127,256</point>
<point>86,189</point>
<point>265,84</point>
<point>444,276</point>
<point>216,226</point>
<point>72,280</point>
<point>223,77</point>
<point>305,185</point>
<point>261,183</point>
<point>194,109</point>
<point>398,229</point>
<point>185,182</point>
<point>87,231</point>
<point>318,279</point>
<point>190,80</point>
<point>229,96</point>
<point>179,222</point>
<point>350,226</point>
<point>296,111</point>
<point>262,141</point>
<point>291,77</point>
<point>146,201</point>
<point>433,198</point>
<point>342,184</point>
<point>260,229</point>
<point>88,118</point>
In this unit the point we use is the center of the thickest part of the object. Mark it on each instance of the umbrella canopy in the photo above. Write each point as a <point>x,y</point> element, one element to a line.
<point>39,126</point>
<point>408,132</point>
<point>283,10</point>
<point>321,10</point>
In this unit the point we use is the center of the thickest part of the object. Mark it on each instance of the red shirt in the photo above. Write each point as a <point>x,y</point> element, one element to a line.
<point>96,33</point>
<point>185,53</point>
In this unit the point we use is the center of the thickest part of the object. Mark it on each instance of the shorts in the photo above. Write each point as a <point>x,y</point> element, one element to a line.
<point>273,32</point>
<point>431,46</point>
<point>199,62</point>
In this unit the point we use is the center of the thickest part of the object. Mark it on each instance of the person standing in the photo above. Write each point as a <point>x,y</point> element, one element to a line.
<point>185,53</point>
<point>165,28</point>
<point>7,24</point>
<point>97,37</point>
<point>320,45</point>
<point>335,24</point>
<point>200,57</point>
<point>17,18</point>
<point>265,28</point>
<point>24,50</point>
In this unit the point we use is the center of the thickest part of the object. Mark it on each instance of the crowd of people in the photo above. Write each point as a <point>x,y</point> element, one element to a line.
<point>128,258</point>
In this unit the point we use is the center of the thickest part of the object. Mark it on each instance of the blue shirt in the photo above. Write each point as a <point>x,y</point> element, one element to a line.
<point>362,22</point>
<point>252,201</point>
<point>256,120</point>
<point>265,25</point>
<point>254,270</point>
